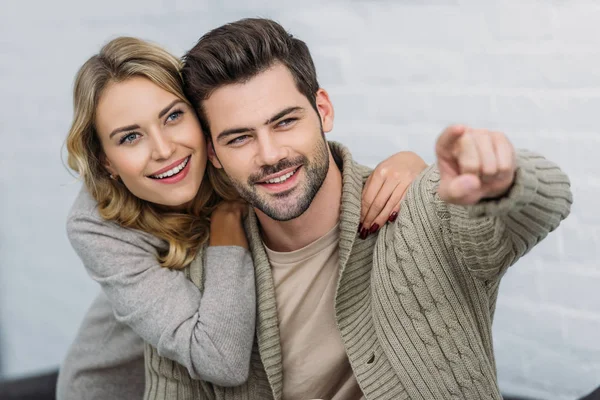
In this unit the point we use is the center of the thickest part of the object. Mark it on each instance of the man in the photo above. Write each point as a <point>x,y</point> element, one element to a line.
<point>404,313</point>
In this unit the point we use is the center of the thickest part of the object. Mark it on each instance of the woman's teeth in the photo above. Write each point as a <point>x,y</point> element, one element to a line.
<point>282,178</point>
<point>172,171</point>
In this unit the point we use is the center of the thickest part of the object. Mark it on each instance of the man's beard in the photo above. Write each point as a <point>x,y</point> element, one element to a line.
<point>300,197</point>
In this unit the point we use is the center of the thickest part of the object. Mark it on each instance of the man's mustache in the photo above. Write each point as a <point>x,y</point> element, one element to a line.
<point>267,170</point>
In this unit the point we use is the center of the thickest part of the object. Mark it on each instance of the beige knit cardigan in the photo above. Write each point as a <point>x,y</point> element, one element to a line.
<point>414,303</point>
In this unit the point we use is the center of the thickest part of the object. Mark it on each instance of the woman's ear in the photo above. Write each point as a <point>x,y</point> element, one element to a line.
<point>108,166</point>
<point>325,108</point>
<point>212,156</point>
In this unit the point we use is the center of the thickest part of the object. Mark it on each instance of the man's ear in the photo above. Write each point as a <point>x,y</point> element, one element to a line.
<point>325,108</point>
<point>212,156</point>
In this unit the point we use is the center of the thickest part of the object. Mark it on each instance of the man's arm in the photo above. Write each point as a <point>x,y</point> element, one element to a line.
<point>106,360</point>
<point>497,203</point>
<point>492,235</point>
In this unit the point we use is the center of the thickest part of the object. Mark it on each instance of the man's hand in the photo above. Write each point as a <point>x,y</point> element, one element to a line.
<point>474,164</point>
<point>385,188</point>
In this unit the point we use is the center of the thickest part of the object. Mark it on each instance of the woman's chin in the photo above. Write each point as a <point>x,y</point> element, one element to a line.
<point>176,200</point>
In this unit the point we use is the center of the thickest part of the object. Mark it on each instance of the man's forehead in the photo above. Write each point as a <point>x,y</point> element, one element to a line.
<point>253,101</point>
<point>274,80</point>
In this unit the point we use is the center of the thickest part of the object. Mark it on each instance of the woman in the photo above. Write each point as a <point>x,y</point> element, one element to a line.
<point>138,146</point>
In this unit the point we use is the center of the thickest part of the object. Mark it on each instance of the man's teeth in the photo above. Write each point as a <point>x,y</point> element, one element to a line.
<point>282,178</point>
<point>172,171</point>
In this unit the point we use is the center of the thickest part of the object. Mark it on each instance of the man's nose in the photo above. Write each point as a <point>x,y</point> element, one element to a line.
<point>270,152</point>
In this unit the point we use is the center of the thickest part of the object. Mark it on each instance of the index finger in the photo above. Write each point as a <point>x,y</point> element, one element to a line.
<point>448,139</point>
<point>372,185</point>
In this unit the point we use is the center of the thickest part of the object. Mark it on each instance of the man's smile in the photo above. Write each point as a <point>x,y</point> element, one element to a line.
<point>281,181</point>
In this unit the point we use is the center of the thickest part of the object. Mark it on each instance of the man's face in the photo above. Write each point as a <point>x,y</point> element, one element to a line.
<point>270,141</point>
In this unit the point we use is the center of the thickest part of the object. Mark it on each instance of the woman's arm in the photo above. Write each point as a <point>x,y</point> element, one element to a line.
<point>105,361</point>
<point>210,333</point>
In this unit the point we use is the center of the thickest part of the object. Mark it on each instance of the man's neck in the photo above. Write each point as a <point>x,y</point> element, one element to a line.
<point>320,217</point>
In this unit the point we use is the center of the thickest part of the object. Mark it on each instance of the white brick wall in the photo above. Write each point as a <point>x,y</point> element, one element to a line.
<point>398,72</point>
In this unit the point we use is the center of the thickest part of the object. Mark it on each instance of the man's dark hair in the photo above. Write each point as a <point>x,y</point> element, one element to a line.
<point>238,51</point>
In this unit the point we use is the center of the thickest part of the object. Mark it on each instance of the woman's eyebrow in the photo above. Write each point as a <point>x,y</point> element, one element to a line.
<point>167,108</point>
<point>123,129</point>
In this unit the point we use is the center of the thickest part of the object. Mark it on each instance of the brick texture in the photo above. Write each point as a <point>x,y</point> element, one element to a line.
<point>397,72</point>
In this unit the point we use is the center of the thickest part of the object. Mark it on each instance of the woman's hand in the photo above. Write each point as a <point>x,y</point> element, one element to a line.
<point>226,227</point>
<point>385,188</point>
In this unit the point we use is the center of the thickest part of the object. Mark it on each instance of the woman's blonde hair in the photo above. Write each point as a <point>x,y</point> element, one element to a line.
<point>117,61</point>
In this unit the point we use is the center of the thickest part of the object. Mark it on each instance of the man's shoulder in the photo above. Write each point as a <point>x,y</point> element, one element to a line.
<point>420,199</point>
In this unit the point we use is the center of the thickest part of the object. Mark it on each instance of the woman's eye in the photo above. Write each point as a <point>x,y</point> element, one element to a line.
<point>129,138</point>
<point>175,115</point>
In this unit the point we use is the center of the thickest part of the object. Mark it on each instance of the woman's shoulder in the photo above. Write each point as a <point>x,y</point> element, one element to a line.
<point>84,204</point>
<point>84,217</point>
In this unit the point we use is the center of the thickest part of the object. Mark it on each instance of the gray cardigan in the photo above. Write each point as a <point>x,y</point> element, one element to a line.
<point>210,333</point>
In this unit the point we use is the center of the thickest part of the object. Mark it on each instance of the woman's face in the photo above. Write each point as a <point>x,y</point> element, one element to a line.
<point>152,140</point>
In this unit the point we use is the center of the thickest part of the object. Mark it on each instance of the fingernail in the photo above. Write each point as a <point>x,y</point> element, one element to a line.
<point>374,228</point>
<point>364,233</point>
<point>359,227</point>
<point>393,216</point>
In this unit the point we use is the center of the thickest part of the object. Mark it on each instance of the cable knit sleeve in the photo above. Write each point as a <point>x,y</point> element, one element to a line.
<point>493,234</point>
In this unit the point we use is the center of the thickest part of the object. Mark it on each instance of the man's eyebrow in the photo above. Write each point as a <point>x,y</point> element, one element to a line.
<point>123,129</point>
<point>279,115</point>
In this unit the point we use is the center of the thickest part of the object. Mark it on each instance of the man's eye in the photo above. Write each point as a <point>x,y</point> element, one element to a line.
<point>129,138</point>
<point>286,122</point>
<point>238,140</point>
